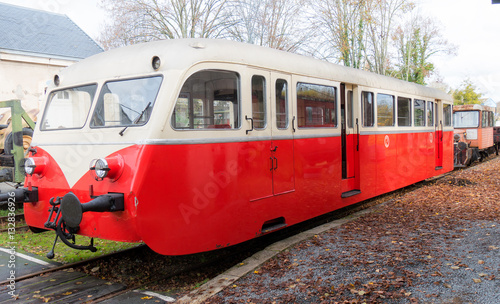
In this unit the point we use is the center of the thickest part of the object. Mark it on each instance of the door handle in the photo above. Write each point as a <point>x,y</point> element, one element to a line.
<point>251,120</point>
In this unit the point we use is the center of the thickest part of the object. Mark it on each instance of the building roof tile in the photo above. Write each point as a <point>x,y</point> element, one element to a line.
<point>42,33</point>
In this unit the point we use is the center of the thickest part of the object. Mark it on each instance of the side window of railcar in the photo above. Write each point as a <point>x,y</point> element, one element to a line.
<point>350,116</point>
<point>447,114</point>
<point>385,110</point>
<point>281,104</point>
<point>419,112</point>
<point>430,113</point>
<point>208,99</point>
<point>316,105</point>
<point>126,102</point>
<point>368,109</point>
<point>404,112</point>
<point>259,102</point>
<point>68,108</point>
<point>488,119</point>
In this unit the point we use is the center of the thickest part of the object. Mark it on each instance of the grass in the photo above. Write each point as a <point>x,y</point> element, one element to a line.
<point>41,243</point>
<point>5,212</point>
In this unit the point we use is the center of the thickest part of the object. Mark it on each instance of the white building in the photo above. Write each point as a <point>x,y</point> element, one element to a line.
<point>34,46</point>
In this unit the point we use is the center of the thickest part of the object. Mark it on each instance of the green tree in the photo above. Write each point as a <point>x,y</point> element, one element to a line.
<point>417,41</point>
<point>466,94</point>
<point>341,24</point>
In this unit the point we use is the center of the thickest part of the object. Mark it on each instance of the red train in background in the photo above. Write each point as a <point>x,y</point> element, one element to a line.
<point>193,145</point>
<point>476,137</point>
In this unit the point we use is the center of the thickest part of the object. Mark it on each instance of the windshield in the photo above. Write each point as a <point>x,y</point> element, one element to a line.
<point>68,108</point>
<point>466,119</point>
<point>126,102</point>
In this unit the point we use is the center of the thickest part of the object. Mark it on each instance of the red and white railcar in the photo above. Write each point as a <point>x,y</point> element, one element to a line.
<point>193,145</point>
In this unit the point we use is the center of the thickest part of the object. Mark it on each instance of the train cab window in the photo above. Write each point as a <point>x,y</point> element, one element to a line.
<point>126,102</point>
<point>208,100</point>
<point>281,104</point>
<point>316,105</point>
<point>259,102</point>
<point>368,109</point>
<point>404,112</point>
<point>485,118</point>
<point>385,110</point>
<point>430,113</point>
<point>68,108</point>
<point>447,115</point>
<point>466,119</point>
<point>419,113</point>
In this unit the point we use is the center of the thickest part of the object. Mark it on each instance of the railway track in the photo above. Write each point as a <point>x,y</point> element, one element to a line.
<point>5,219</point>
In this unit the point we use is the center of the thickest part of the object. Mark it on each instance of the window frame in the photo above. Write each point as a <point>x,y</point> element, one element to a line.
<point>238,119</point>
<point>450,117</point>
<point>410,117</point>
<point>423,117</point>
<point>430,114</point>
<point>151,107</point>
<point>286,99</point>
<point>326,116</point>
<point>363,109</point>
<point>378,109</point>
<point>264,102</point>
<point>49,102</point>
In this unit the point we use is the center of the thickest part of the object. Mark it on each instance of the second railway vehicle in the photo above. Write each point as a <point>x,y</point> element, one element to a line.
<point>475,134</point>
<point>193,145</point>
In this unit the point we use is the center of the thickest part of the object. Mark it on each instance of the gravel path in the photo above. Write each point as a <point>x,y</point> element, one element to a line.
<point>439,243</point>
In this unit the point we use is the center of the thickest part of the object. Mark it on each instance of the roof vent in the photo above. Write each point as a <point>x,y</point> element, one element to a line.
<point>197,45</point>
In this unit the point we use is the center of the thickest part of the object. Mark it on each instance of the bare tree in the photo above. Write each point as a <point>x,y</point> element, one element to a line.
<point>342,25</point>
<point>383,15</point>
<point>135,21</point>
<point>271,23</point>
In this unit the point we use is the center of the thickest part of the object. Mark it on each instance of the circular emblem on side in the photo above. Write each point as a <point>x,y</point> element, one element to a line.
<point>71,210</point>
<point>431,137</point>
<point>387,141</point>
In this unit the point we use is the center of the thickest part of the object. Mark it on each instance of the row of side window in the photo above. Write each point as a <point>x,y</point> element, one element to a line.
<point>210,99</point>
<point>423,113</point>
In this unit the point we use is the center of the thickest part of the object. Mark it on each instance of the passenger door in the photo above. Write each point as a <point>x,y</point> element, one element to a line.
<point>438,125</point>
<point>282,143</point>
<point>270,148</point>
<point>349,140</point>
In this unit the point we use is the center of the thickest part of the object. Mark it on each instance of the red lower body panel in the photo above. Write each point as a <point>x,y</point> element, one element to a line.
<point>182,199</point>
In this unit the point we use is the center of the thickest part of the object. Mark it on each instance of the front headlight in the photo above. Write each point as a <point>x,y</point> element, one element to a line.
<point>101,168</point>
<point>35,165</point>
<point>29,166</point>
<point>111,167</point>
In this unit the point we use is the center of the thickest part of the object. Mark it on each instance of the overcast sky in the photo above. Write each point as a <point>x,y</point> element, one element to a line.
<point>472,25</point>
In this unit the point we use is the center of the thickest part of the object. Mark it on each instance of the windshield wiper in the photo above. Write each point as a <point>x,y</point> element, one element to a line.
<point>137,119</point>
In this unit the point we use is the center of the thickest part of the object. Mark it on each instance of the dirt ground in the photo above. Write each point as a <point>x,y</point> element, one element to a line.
<point>437,243</point>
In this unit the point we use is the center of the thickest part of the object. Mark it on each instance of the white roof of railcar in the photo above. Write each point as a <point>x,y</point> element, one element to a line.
<point>180,54</point>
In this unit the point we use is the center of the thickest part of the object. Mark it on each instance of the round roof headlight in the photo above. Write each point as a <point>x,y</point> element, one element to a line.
<point>57,80</point>
<point>156,63</point>
<point>29,166</point>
